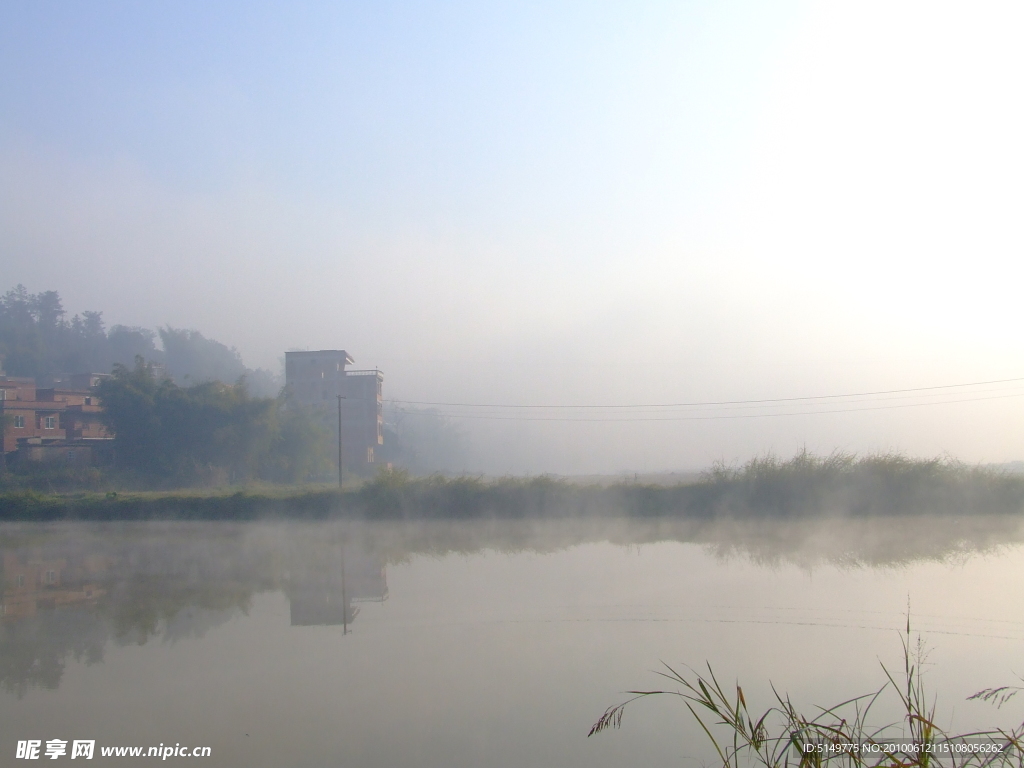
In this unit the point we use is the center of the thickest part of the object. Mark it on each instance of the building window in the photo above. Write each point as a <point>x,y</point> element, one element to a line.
<point>369,455</point>
<point>50,422</point>
<point>20,580</point>
<point>19,422</point>
<point>51,577</point>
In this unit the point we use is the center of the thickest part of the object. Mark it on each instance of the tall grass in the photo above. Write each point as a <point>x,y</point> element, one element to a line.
<point>766,487</point>
<point>842,734</point>
<point>842,483</point>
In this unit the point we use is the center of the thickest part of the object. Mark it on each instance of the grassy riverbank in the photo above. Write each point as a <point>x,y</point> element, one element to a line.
<point>766,487</point>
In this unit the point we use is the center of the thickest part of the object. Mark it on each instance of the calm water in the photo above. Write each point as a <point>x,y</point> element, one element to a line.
<point>492,644</point>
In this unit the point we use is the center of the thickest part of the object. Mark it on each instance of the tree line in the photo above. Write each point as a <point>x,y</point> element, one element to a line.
<point>208,433</point>
<point>39,340</point>
<point>184,408</point>
<point>185,414</point>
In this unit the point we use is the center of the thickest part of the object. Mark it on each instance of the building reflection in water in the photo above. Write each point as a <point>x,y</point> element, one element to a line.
<point>71,591</point>
<point>322,587</point>
<point>31,584</point>
<point>66,595</point>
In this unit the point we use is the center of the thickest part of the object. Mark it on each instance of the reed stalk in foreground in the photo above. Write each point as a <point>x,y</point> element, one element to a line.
<point>840,735</point>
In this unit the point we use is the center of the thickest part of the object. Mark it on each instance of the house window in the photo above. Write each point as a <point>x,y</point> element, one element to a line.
<point>369,455</point>
<point>20,580</point>
<point>19,422</point>
<point>50,422</point>
<point>51,577</point>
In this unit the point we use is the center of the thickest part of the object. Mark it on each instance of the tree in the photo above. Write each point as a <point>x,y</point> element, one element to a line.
<point>127,342</point>
<point>37,339</point>
<point>302,447</point>
<point>168,433</point>
<point>191,357</point>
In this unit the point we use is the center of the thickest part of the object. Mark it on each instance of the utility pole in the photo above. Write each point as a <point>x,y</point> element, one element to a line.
<point>340,475</point>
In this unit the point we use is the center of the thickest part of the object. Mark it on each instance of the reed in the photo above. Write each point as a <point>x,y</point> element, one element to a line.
<point>839,735</point>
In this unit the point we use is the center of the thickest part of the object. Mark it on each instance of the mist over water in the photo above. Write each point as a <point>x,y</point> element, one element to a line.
<point>611,266</point>
<point>496,642</point>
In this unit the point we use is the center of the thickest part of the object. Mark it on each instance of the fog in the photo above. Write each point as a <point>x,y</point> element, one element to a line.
<point>569,204</point>
<point>486,642</point>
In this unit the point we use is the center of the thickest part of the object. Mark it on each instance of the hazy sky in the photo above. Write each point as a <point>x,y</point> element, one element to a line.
<point>548,203</point>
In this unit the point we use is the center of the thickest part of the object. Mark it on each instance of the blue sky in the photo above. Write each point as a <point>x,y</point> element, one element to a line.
<point>737,199</point>
<point>458,112</point>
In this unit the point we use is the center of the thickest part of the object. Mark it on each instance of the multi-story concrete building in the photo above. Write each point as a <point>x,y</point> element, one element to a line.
<point>59,423</point>
<point>315,379</point>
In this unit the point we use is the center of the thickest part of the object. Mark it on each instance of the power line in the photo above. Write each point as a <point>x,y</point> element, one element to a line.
<point>708,418</point>
<point>653,410</point>
<point>765,401</point>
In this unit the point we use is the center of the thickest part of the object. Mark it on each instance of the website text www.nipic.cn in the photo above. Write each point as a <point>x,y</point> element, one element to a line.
<point>34,749</point>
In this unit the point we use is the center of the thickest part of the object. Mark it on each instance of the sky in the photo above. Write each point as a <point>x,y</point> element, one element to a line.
<point>558,204</point>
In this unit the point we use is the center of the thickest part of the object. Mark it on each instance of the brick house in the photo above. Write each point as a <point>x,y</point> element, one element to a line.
<point>59,423</point>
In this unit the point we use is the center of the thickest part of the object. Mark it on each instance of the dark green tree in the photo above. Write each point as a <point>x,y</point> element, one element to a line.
<point>193,358</point>
<point>208,431</point>
<point>38,340</point>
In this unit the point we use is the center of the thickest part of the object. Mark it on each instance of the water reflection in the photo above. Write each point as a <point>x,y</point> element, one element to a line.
<point>70,591</point>
<point>325,579</point>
